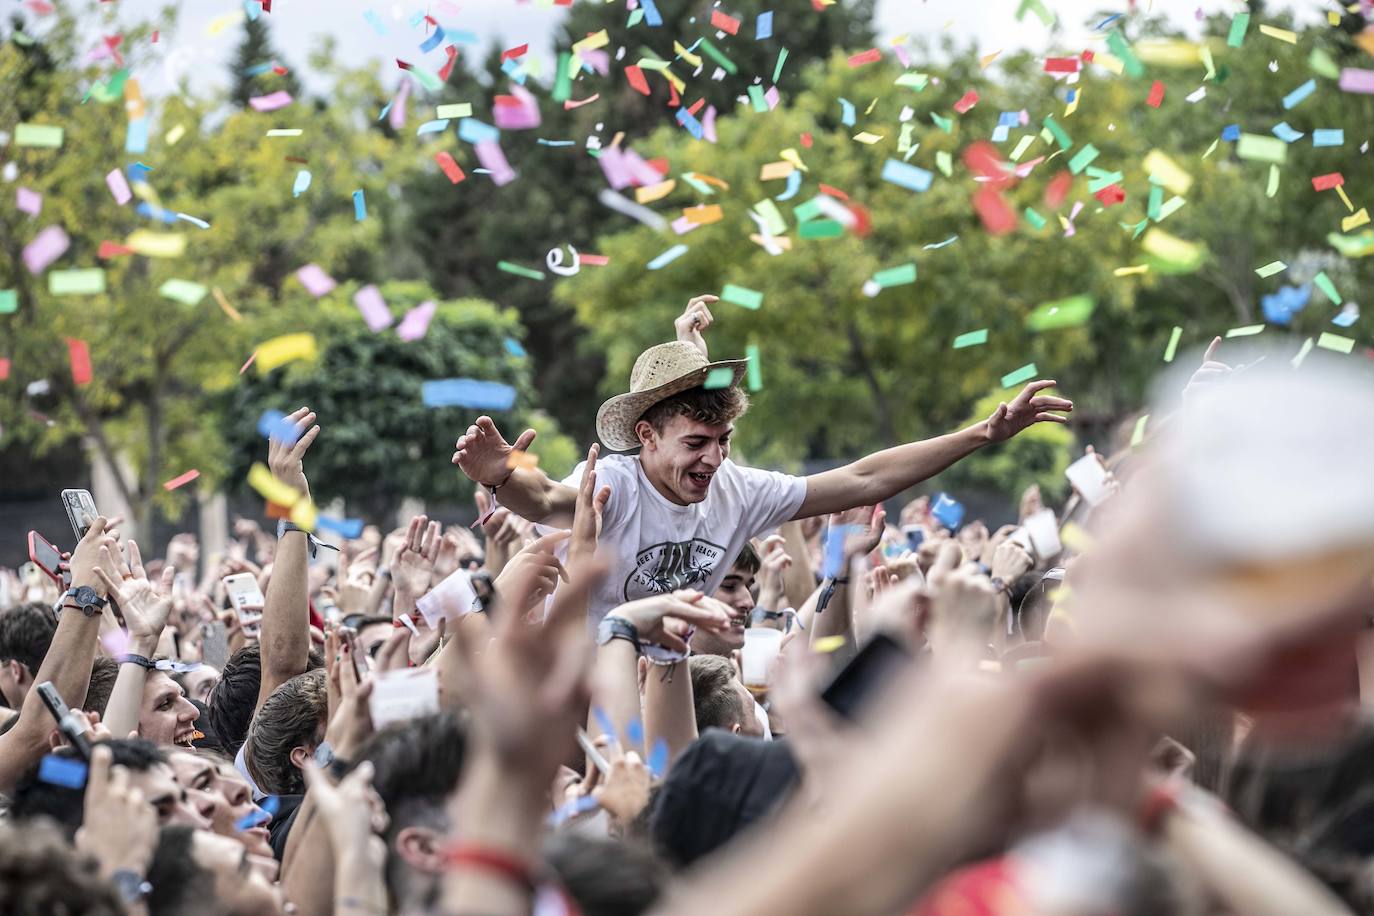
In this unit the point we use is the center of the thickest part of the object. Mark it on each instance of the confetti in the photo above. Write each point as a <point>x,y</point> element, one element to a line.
<point>668,257</point>
<point>46,247</point>
<point>1016,377</point>
<point>181,480</point>
<point>1323,283</point>
<point>1298,95</point>
<point>38,135</point>
<point>466,392</point>
<point>720,377</point>
<point>373,308</point>
<point>971,339</point>
<point>907,176</point>
<point>741,296</point>
<point>1240,22</point>
<point>415,323</point>
<point>79,356</point>
<point>359,206</point>
<point>87,282</point>
<point>1063,313</point>
<point>1172,348</point>
<point>1329,341</point>
<point>1351,80</point>
<point>1261,148</point>
<point>1248,330</point>
<point>520,271</point>
<point>284,349</point>
<point>315,280</point>
<point>183,291</point>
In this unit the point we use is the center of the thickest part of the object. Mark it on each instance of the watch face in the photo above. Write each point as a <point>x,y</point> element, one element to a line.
<point>85,595</point>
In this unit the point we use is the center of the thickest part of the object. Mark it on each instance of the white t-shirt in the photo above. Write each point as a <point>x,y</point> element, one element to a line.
<point>655,546</point>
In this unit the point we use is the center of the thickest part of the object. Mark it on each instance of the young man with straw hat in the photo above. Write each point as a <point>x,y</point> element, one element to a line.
<point>680,510</point>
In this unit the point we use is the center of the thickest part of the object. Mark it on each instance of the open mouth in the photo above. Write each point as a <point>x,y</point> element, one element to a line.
<point>701,480</point>
<point>185,738</point>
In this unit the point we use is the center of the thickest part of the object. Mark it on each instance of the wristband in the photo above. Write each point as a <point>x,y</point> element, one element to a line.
<point>284,526</point>
<point>495,861</point>
<point>1159,804</point>
<point>142,661</point>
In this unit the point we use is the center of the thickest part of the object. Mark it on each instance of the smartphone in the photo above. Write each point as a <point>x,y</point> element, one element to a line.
<point>1089,478</point>
<point>80,510</point>
<point>873,666</point>
<point>243,591</point>
<point>47,558</point>
<point>350,636</point>
<point>73,725</point>
<point>214,644</point>
<point>593,754</point>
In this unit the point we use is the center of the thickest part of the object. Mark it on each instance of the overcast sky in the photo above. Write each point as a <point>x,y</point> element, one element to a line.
<point>298,25</point>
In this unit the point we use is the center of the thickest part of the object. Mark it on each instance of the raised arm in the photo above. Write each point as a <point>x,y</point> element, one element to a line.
<point>882,475</point>
<point>484,455</point>
<point>146,608</point>
<point>285,637</point>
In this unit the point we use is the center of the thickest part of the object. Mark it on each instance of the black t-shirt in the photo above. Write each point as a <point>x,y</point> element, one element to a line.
<point>280,828</point>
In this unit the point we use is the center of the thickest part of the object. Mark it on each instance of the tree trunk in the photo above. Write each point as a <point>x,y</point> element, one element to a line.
<point>886,426</point>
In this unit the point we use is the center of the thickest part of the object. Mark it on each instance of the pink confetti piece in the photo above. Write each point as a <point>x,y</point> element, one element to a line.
<point>493,159</point>
<point>708,124</point>
<point>279,99</point>
<point>682,225</point>
<point>30,202</point>
<point>251,359</point>
<point>46,247</point>
<point>181,480</point>
<point>373,308</point>
<point>397,118</point>
<point>772,97</point>
<point>594,260</point>
<point>416,321</point>
<point>1353,80</point>
<point>119,186</point>
<point>967,102</point>
<point>523,114</point>
<point>315,280</point>
<point>116,642</point>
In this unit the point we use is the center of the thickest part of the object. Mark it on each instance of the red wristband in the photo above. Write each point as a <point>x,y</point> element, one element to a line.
<point>484,858</point>
<point>1158,804</point>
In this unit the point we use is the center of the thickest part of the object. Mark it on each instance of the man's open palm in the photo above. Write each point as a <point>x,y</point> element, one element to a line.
<point>484,455</point>
<point>1027,408</point>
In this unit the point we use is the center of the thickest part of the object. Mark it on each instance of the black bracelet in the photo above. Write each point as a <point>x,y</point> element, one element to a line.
<point>141,660</point>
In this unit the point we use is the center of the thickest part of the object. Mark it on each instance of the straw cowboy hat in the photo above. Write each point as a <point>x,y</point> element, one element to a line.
<point>658,374</point>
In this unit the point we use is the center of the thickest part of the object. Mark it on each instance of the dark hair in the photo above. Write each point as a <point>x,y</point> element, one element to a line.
<point>104,672</point>
<point>714,697</point>
<point>606,877</point>
<point>180,884</point>
<point>417,765</point>
<point>35,798</point>
<point>41,874</point>
<point>25,635</point>
<point>291,717</point>
<point>235,695</point>
<point>714,407</point>
<point>748,560</point>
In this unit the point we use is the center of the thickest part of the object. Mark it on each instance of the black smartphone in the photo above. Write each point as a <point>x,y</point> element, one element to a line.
<point>47,558</point>
<point>80,510</point>
<point>873,666</point>
<point>73,725</point>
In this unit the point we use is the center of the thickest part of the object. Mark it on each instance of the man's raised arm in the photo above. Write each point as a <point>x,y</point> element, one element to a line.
<point>485,456</point>
<point>882,475</point>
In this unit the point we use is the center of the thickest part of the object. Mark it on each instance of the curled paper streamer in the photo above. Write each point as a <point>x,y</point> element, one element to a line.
<point>554,261</point>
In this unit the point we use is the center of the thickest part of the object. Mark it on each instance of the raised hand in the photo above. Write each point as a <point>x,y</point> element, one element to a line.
<point>119,828</point>
<point>86,556</point>
<point>352,811</point>
<point>591,503</point>
<point>146,606</point>
<point>1027,409</point>
<point>662,619</point>
<point>484,455</point>
<point>1208,374</point>
<point>694,320</point>
<point>413,568</point>
<point>773,563</point>
<point>531,575</point>
<point>284,458</point>
<point>870,521</point>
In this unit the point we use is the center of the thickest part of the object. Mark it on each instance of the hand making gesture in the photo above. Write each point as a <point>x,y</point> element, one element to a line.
<point>1027,409</point>
<point>284,458</point>
<point>484,455</point>
<point>694,320</point>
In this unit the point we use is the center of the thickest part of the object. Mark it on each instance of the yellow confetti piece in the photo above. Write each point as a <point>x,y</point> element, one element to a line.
<point>1167,172</point>
<point>454,110</point>
<point>686,55</point>
<point>1302,353</point>
<point>304,515</point>
<point>1072,106</point>
<point>224,305</point>
<point>650,193</point>
<point>1345,200</point>
<point>592,42</point>
<point>1333,17</point>
<point>703,215</point>
<point>1359,219</point>
<point>220,23</point>
<point>1335,342</point>
<point>1249,330</point>
<point>1171,248</point>
<point>1075,538</point>
<point>772,171</point>
<point>794,157</point>
<point>988,58</point>
<point>867,138</point>
<point>1128,271</point>
<point>871,105</point>
<point>285,132</point>
<point>269,487</point>
<point>779,241</point>
<point>1280,34</point>
<point>1109,61</point>
<point>173,135</point>
<point>280,350</point>
<point>827,644</point>
<point>133,100</point>
<point>1138,434</point>
<point>1167,52</point>
<point>518,459</point>
<point>156,244</point>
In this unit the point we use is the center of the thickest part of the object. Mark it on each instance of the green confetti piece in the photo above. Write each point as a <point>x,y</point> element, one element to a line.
<point>944,162</point>
<point>1323,283</point>
<point>771,216</point>
<point>1082,159</point>
<point>184,291</point>
<point>720,377</point>
<point>971,339</point>
<point>917,81</point>
<point>1035,219</point>
<point>1320,63</point>
<point>1261,148</point>
<point>1024,374</point>
<point>636,16</point>
<point>1105,180</point>
<point>1172,348</point>
<point>742,296</point>
<point>1061,313</point>
<point>945,124</point>
<point>427,78</point>
<point>900,275</point>
<point>1250,330</point>
<point>1273,187</point>
<point>1273,267</point>
<point>88,282</point>
<point>463,109</point>
<point>1329,341</point>
<point>754,375</point>
<point>1239,23</point>
<point>1171,206</point>
<point>9,301</point>
<point>1206,54</point>
<point>807,210</point>
<point>777,68</point>
<point>1155,203</point>
<point>1116,42</point>
<point>1038,8</point>
<point>1060,135</point>
<point>1138,434</point>
<point>519,271</point>
<point>42,135</point>
<point>1021,146</point>
<point>1302,353</point>
<point>714,53</point>
<point>821,229</point>
<point>756,98</point>
<point>697,184</point>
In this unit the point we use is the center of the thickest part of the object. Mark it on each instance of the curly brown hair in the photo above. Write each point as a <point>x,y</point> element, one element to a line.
<point>714,407</point>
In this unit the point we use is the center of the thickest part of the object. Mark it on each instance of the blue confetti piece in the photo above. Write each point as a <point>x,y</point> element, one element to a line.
<point>346,527</point>
<point>604,721</point>
<point>1328,137</point>
<point>467,392</point>
<point>193,220</point>
<point>136,139</point>
<point>67,772</point>
<point>137,171</point>
<point>252,819</point>
<point>1230,133</point>
<point>846,112</point>
<point>513,348</point>
<point>359,206</point>
<point>463,38</point>
<point>763,26</point>
<point>432,127</point>
<point>794,181</point>
<point>416,18</point>
<point>158,213</point>
<point>1000,132</point>
<point>1106,22</point>
<point>1009,119</point>
<point>270,804</point>
<point>274,425</point>
<point>833,562</point>
<point>1346,317</point>
<point>514,70</point>
<point>433,41</point>
<point>948,512</point>
<point>385,110</point>
<point>471,130</point>
<point>658,759</point>
<point>668,257</point>
<point>634,732</point>
<point>652,18</point>
<point>542,142</point>
<point>1296,97</point>
<point>252,9</point>
<point>302,183</point>
<point>689,121</point>
<point>569,810</point>
<point>1286,133</point>
<point>257,69</point>
<point>1073,94</point>
<point>375,21</point>
<point>911,177</point>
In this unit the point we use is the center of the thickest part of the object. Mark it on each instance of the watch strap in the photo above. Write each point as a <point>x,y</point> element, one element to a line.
<point>613,627</point>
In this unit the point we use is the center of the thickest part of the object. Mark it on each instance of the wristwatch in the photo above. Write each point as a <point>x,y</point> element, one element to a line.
<point>613,627</point>
<point>85,598</point>
<point>132,886</point>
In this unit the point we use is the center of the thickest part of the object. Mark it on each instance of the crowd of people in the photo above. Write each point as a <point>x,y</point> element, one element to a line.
<point>674,684</point>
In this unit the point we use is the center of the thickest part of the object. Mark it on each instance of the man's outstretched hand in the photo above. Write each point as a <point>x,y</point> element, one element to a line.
<point>484,455</point>
<point>694,320</point>
<point>1026,409</point>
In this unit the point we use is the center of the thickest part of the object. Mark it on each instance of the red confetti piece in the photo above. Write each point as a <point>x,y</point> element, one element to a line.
<point>696,107</point>
<point>596,260</point>
<point>659,165</point>
<point>1111,195</point>
<point>806,140</point>
<point>968,101</point>
<point>1061,65</point>
<point>637,81</point>
<point>513,53</point>
<point>4,369</point>
<point>80,356</point>
<point>1327,182</point>
<point>723,22</point>
<point>452,52</point>
<point>109,250</point>
<point>1058,189</point>
<point>1087,57</point>
<point>251,360</point>
<point>674,100</point>
<point>507,101</point>
<point>997,215</point>
<point>155,34</point>
<point>983,160</point>
<point>570,104</point>
<point>1156,95</point>
<point>863,223</point>
<point>872,55</point>
<point>834,192</point>
<point>182,480</point>
<point>450,167</point>
<point>279,70</point>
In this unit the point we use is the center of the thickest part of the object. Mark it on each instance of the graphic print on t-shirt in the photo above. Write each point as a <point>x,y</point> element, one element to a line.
<point>672,565</point>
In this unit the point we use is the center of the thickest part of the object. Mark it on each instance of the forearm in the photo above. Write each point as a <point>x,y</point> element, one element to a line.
<point>799,579</point>
<point>617,689</point>
<point>307,868</point>
<point>285,635</point>
<point>669,712</point>
<point>837,619</point>
<point>530,494</point>
<point>121,713</point>
<point>500,812</point>
<point>360,879</point>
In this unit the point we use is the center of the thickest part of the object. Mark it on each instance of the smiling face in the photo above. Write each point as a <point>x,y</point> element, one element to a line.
<point>682,460</point>
<point>166,716</point>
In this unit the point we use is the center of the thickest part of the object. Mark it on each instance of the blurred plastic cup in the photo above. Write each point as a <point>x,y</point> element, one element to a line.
<point>761,646</point>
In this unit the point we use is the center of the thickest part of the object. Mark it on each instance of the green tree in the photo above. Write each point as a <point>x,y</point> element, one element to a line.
<point>380,443</point>
<point>253,70</point>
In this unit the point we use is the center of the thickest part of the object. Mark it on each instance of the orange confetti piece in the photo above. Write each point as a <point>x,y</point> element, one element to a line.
<point>703,215</point>
<point>181,480</point>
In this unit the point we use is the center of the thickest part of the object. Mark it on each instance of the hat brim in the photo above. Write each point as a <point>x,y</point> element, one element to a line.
<point>616,418</point>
